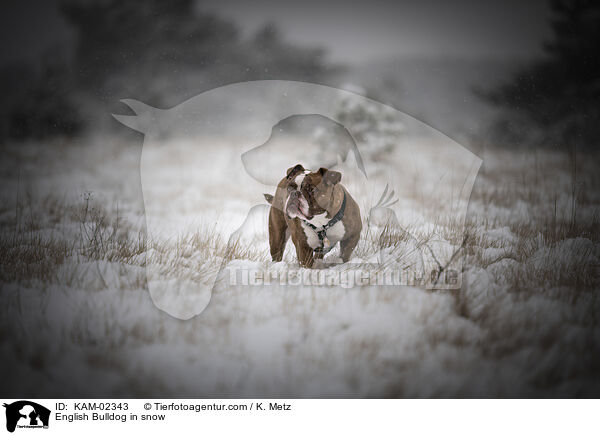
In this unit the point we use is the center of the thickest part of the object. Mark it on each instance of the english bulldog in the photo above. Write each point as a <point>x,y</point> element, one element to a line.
<point>316,211</point>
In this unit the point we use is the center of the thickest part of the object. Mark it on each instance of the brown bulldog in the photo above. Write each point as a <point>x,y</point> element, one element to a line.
<point>317,211</point>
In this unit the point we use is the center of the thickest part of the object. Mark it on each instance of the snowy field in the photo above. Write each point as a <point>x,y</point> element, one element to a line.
<point>77,317</point>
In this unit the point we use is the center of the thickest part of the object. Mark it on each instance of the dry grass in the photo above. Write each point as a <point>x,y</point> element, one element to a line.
<point>559,198</point>
<point>30,253</point>
<point>28,256</point>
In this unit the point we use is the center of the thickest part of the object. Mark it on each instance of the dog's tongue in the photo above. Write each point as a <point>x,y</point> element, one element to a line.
<point>303,215</point>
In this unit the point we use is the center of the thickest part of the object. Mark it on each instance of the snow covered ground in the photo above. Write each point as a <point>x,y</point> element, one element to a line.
<point>77,318</point>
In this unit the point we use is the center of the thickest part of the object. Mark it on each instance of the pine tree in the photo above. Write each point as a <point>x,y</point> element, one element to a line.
<point>555,100</point>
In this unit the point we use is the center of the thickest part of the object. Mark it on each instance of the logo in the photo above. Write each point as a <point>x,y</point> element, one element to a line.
<point>26,414</point>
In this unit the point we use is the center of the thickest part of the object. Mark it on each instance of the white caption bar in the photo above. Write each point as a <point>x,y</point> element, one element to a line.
<point>266,416</point>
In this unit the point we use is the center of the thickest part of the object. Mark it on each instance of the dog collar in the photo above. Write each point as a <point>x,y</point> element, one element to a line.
<point>322,233</point>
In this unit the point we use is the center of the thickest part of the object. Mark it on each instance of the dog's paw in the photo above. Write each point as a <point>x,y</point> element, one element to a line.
<point>319,264</point>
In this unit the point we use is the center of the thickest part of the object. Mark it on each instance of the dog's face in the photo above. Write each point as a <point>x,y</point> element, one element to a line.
<point>309,193</point>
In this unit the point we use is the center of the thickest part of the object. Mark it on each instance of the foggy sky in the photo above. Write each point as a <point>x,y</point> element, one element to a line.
<point>362,30</point>
<point>352,32</point>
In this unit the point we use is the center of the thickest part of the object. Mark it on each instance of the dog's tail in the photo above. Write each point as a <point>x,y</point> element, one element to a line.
<point>269,198</point>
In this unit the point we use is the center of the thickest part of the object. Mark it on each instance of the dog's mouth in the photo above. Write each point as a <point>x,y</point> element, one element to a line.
<point>297,207</point>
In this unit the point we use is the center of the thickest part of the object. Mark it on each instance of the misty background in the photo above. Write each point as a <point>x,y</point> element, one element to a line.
<point>508,73</point>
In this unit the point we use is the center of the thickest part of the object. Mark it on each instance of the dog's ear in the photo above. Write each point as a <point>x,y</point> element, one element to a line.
<point>291,172</point>
<point>330,177</point>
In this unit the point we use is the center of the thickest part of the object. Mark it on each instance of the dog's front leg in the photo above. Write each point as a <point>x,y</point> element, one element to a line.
<point>303,252</point>
<point>347,246</point>
<point>278,233</point>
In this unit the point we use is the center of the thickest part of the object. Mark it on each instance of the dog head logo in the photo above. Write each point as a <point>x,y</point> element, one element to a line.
<point>311,140</point>
<point>26,414</point>
<point>207,162</point>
